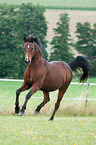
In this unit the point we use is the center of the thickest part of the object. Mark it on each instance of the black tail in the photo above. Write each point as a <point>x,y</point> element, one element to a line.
<point>80,62</point>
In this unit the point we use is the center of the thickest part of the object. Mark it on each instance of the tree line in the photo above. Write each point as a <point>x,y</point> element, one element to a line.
<point>27,20</point>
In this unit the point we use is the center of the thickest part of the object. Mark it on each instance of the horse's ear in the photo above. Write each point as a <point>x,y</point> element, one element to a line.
<point>32,39</point>
<point>25,40</point>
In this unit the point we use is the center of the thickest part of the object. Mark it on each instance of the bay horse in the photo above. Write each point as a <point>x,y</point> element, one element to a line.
<point>46,76</point>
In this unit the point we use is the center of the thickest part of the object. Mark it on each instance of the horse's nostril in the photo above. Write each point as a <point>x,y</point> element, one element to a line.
<point>27,62</point>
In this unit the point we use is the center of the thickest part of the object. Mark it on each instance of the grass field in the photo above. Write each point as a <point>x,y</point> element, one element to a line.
<point>72,124</point>
<point>39,131</point>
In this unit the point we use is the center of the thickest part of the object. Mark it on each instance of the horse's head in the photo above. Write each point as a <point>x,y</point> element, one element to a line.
<point>31,48</point>
<point>28,50</point>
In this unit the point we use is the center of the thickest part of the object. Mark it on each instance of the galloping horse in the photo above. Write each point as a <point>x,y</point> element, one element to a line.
<point>46,76</point>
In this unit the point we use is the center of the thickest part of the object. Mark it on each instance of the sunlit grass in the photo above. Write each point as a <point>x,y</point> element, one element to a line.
<point>38,130</point>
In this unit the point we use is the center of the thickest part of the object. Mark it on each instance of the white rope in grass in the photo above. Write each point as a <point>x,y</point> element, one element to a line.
<point>11,80</point>
<point>69,98</point>
<point>73,83</point>
<point>91,84</point>
<point>1,96</point>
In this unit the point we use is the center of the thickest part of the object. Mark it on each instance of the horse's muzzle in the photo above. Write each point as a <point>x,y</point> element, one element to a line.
<point>27,62</point>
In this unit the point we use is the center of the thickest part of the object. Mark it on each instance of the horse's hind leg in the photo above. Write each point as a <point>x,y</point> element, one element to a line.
<point>21,89</point>
<point>62,90</point>
<point>46,99</point>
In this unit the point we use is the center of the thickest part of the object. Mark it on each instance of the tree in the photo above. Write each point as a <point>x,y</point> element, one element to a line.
<point>60,43</point>
<point>86,43</point>
<point>11,57</point>
<point>15,23</point>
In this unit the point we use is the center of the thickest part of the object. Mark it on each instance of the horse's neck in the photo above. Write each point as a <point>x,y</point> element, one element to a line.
<point>37,50</point>
<point>36,62</point>
<point>37,56</point>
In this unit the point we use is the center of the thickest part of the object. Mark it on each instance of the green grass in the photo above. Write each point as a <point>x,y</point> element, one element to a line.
<point>72,124</point>
<point>75,4</point>
<point>39,131</point>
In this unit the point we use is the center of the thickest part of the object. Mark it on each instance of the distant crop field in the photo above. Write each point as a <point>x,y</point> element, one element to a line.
<point>52,17</point>
<point>56,3</point>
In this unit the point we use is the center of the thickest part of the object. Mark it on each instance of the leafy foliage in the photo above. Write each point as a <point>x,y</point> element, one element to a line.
<point>61,40</point>
<point>17,22</point>
<point>86,43</point>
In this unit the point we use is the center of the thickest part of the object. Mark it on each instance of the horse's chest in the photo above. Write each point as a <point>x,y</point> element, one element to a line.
<point>31,75</point>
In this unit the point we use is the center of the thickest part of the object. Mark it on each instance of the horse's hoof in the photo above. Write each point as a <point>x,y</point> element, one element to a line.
<point>51,119</point>
<point>35,113</point>
<point>20,114</point>
<point>17,110</point>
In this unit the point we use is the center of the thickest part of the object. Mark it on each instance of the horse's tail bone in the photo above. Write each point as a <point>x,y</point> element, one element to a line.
<point>80,62</point>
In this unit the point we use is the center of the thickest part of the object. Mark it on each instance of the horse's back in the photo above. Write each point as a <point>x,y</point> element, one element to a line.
<point>61,68</point>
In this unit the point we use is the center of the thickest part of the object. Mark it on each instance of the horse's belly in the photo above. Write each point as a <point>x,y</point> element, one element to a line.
<point>52,84</point>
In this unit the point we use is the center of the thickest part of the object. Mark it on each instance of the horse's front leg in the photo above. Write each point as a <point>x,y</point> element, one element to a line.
<point>21,89</point>
<point>35,87</point>
<point>17,100</point>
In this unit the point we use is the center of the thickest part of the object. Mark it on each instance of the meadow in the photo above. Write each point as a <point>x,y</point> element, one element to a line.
<point>38,130</point>
<point>73,125</point>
